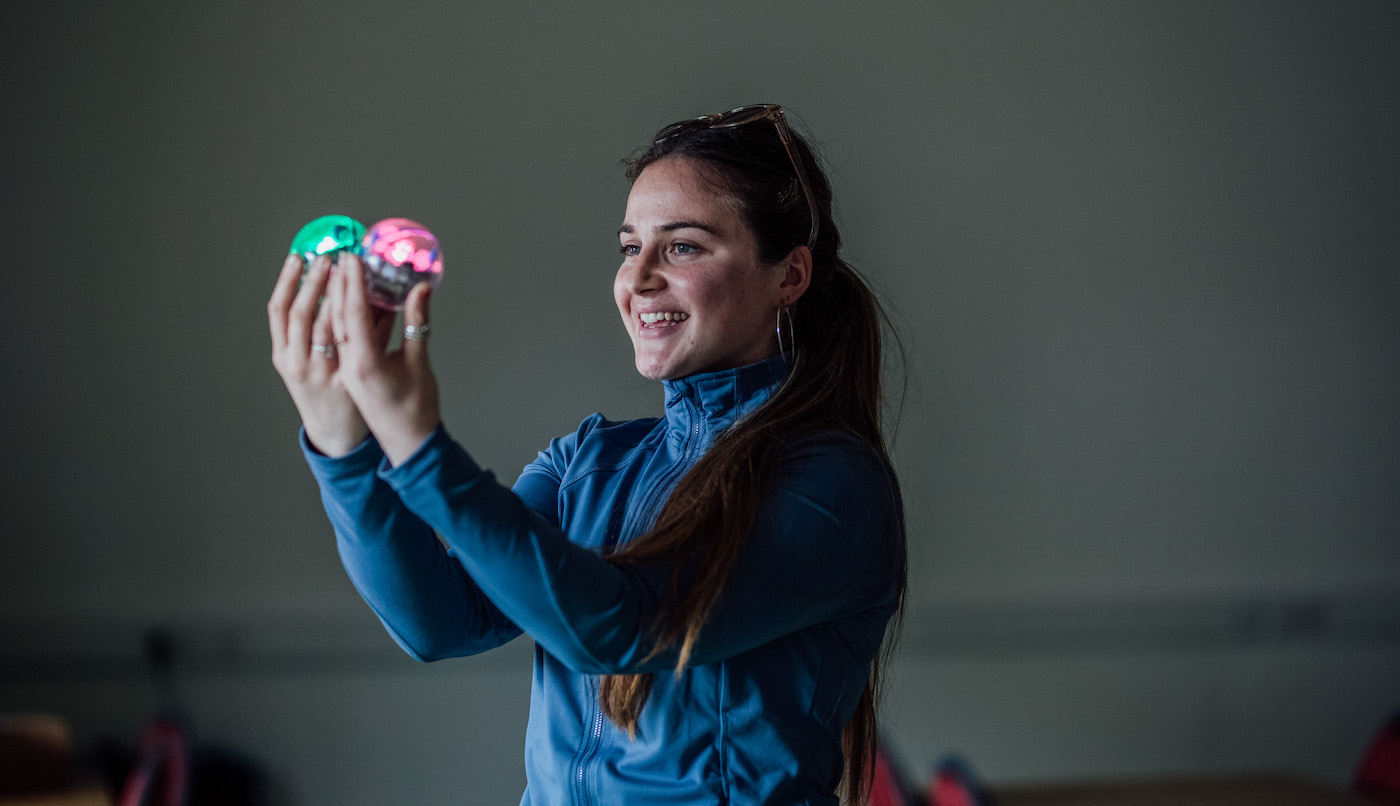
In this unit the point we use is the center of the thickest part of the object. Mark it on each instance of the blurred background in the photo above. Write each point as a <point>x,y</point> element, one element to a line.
<point>1143,257</point>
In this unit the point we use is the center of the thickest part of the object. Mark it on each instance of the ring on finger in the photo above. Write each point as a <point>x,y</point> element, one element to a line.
<point>326,350</point>
<point>417,332</point>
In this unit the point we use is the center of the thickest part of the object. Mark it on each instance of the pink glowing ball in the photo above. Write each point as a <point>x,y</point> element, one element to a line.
<point>399,254</point>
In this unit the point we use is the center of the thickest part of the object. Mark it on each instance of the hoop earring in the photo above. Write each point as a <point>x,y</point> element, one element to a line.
<point>792,332</point>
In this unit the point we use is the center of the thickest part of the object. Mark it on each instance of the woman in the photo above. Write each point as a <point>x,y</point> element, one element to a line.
<point>707,591</point>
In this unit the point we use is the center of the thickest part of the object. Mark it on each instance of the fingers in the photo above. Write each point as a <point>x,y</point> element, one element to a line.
<point>383,328</point>
<point>415,315</point>
<point>356,319</point>
<point>335,302</point>
<point>281,299</point>
<point>302,312</point>
<point>323,343</point>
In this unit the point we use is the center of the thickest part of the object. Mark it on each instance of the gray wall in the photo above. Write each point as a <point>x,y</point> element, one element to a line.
<point>1143,257</point>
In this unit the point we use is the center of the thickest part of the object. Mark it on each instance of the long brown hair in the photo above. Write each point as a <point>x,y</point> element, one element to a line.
<point>836,383</point>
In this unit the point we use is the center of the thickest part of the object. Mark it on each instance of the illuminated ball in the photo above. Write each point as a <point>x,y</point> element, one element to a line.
<point>327,235</point>
<point>399,254</point>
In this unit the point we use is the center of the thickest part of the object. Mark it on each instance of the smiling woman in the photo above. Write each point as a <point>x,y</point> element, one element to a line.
<point>692,292</point>
<point>708,591</point>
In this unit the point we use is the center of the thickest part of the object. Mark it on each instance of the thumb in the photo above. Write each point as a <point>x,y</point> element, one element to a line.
<point>416,327</point>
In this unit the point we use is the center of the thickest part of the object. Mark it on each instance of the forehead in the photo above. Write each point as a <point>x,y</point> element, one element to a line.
<point>676,190</point>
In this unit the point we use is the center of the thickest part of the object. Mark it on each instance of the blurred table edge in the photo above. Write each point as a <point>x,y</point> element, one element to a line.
<point>91,795</point>
<point>1263,789</point>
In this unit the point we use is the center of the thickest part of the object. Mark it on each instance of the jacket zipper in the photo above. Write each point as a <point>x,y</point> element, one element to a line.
<point>591,745</point>
<point>644,515</point>
<point>650,503</point>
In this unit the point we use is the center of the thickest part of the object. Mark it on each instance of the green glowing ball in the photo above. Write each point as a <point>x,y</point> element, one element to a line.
<point>327,235</point>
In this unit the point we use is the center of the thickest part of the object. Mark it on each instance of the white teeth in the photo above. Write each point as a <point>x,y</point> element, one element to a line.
<point>653,318</point>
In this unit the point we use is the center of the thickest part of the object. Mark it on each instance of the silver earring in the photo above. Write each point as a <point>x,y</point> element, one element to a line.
<point>791,336</point>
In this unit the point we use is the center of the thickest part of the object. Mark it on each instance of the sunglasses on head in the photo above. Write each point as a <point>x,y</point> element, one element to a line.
<point>748,114</point>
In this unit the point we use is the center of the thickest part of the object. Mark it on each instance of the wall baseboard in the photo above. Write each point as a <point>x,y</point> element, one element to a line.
<point>73,647</point>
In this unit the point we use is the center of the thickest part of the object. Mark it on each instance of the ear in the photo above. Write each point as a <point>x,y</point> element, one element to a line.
<point>797,275</point>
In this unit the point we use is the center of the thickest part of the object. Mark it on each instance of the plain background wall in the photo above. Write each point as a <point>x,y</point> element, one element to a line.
<point>1143,258</point>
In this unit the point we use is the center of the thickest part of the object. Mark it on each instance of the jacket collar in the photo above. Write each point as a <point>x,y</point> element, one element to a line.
<point>709,402</point>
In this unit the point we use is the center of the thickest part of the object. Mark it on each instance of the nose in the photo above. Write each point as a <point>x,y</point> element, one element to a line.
<point>642,273</point>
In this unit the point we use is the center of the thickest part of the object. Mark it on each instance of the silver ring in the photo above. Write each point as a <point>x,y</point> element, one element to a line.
<point>417,332</point>
<point>327,350</point>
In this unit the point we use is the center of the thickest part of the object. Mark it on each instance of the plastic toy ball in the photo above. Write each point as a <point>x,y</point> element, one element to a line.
<point>399,254</point>
<point>327,235</point>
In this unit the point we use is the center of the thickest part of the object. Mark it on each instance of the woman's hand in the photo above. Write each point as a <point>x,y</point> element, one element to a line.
<point>395,391</point>
<point>304,353</point>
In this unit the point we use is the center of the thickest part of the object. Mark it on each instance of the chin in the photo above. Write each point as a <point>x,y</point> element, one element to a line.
<point>655,375</point>
<point>650,372</point>
<point>658,372</point>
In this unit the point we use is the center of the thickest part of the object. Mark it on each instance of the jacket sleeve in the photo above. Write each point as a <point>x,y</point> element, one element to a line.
<point>421,593</point>
<point>825,546</point>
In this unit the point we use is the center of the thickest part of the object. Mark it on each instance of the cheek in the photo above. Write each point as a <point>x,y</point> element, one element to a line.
<point>733,304</point>
<point>620,294</point>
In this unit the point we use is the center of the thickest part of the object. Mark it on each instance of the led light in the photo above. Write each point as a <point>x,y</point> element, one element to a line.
<point>327,235</point>
<point>399,254</point>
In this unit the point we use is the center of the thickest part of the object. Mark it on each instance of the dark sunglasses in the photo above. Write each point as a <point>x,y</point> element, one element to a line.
<point>748,114</point>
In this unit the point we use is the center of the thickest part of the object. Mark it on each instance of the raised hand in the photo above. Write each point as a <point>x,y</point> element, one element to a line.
<point>395,390</point>
<point>305,355</point>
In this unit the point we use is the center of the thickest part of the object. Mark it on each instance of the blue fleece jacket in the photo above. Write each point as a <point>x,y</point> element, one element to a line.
<point>776,674</point>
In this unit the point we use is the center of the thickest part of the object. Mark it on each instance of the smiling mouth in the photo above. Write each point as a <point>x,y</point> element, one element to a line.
<point>667,319</point>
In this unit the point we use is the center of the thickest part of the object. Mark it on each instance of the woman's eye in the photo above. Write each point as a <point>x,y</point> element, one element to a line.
<point>682,248</point>
<point>630,250</point>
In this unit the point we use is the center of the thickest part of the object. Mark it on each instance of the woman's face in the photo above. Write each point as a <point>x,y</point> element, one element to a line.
<point>691,290</point>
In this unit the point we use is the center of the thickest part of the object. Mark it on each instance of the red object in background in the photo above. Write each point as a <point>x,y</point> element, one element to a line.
<point>953,784</point>
<point>161,776</point>
<point>1378,776</point>
<point>948,791</point>
<point>887,789</point>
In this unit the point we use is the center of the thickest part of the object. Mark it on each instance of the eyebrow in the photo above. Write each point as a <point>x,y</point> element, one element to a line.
<point>628,229</point>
